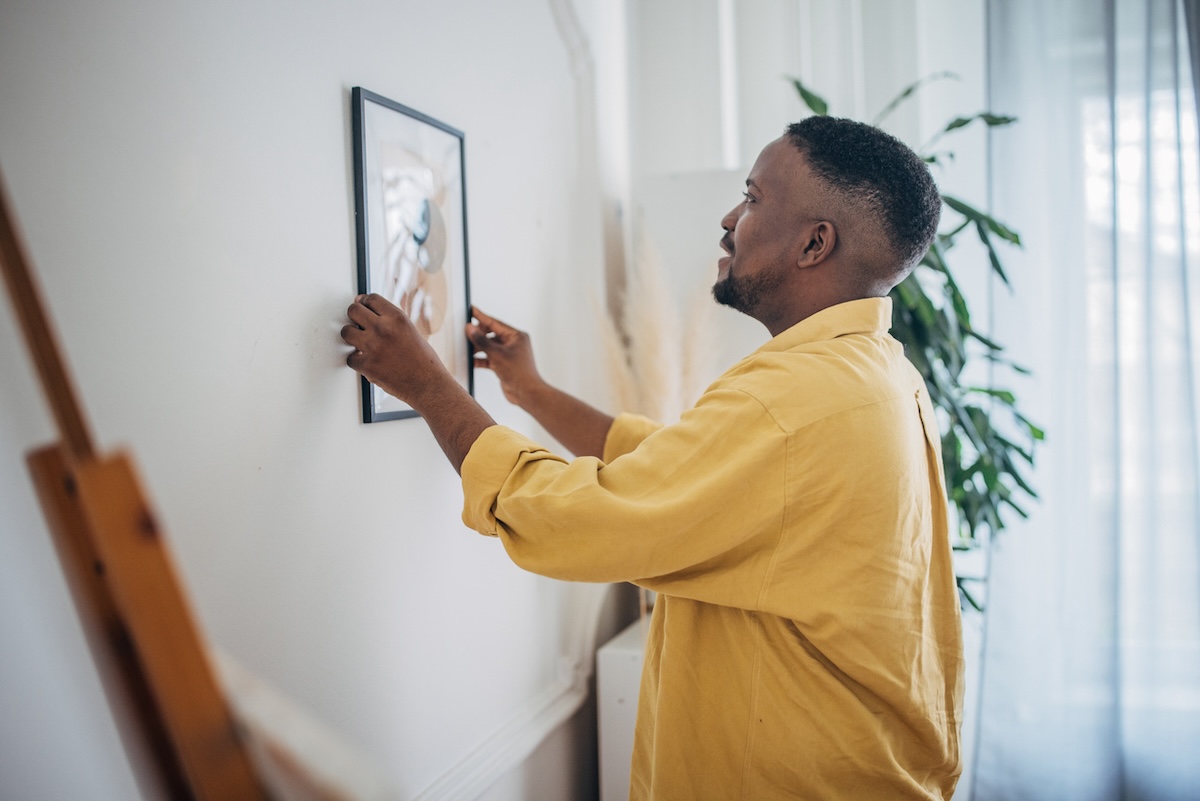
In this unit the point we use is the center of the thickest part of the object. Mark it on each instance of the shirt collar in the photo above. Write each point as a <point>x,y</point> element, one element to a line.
<point>864,316</point>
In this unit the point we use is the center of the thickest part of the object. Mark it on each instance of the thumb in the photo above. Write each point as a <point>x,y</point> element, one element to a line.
<point>477,337</point>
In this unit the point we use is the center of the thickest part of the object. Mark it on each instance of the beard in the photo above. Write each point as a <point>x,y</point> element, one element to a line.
<point>746,293</point>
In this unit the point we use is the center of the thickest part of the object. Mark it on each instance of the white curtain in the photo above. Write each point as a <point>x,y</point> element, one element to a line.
<point>1091,669</point>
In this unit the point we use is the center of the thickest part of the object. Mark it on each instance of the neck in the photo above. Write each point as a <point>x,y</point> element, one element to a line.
<point>804,304</point>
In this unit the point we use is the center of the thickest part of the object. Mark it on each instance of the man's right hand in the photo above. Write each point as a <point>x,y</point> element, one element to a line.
<point>508,353</point>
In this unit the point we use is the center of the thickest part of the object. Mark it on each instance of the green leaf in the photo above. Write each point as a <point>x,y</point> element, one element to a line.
<point>1001,230</point>
<point>1017,508</point>
<point>968,597</point>
<point>993,257</point>
<point>990,345</point>
<point>936,258</point>
<point>939,157</point>
<point>991,120</point>
<point>907,93</point>
<point>1035,432</point>
<point>995,358</point>
<point>959,303</point>
<point>966,210</point>
<point>1002,395</point>
<point>956,123</point>
<point>1024,453</point>
<point>995,120</point>
<point>815,102</point>
<point>956,230</point>
<point>975,215</point>
<point>1017,477</point>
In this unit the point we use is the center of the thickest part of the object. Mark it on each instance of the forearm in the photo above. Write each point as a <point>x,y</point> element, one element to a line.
<point>507,352</point>
<point>453,416</point>
<point>581,428</point>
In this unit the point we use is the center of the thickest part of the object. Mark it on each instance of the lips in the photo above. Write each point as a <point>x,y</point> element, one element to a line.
<point>723,263</point>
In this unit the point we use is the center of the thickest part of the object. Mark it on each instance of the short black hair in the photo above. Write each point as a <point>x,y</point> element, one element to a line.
<point>880,172</point>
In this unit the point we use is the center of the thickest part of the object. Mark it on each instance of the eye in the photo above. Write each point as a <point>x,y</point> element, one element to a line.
<point>749,198</point>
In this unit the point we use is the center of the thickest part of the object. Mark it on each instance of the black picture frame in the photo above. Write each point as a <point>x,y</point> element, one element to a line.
<point>410,208</point>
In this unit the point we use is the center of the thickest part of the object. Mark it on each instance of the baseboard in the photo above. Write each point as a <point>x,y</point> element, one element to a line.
<point>509,746</point>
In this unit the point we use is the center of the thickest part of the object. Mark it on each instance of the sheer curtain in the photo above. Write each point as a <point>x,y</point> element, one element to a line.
<point>1091,670</point>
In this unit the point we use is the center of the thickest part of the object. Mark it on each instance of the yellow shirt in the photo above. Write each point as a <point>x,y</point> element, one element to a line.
<point>806,640</point>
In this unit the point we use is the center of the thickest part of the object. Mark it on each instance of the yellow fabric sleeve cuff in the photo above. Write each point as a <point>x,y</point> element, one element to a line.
<point>488,465</point>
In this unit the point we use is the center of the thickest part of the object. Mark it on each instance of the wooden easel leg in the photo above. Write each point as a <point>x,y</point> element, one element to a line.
<point>143,733</point>
<point>149,597</point>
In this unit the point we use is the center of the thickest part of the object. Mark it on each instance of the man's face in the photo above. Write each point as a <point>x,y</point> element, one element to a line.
<point>762,234</point>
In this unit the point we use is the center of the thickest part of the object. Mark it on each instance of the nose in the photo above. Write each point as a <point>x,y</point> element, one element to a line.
<point>729,221</point>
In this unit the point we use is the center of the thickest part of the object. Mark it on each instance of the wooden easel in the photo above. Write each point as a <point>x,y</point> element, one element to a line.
<point>176,725</point>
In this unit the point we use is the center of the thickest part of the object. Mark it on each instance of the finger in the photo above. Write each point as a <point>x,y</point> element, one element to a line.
<point>477,320</point>
<point>484,362</point>
<point>353,335</point>
<point>360,314</point>
<point>490,322</point>
<point>478,337</point>
<point>379,304</point>
<point>354,360</point>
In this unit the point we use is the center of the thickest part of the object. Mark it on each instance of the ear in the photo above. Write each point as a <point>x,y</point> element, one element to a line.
<point>817,243</point>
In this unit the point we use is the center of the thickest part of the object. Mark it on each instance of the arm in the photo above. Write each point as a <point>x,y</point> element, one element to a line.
<point>392,354</point>
<point>508,353</point>
<point>673,514</point>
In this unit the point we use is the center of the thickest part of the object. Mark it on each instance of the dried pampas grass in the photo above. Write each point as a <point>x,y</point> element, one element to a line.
<point>660,353</point>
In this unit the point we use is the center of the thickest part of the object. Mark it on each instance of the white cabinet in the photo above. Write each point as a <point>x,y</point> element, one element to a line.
<point>618,677</point>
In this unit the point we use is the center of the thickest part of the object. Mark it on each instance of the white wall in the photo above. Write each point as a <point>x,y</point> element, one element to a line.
<point>182,173</point>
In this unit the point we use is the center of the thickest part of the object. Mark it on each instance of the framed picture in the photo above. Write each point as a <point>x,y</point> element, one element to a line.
<point>411,215</point>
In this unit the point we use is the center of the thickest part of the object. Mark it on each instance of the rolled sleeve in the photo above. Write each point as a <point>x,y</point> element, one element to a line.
<point>491,460</point>
<point>499,450</point>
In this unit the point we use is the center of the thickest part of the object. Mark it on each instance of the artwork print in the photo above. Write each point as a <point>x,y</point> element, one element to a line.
<point>410,207</point>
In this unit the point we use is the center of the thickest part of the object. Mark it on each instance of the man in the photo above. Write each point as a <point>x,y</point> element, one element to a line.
<point>806,642</point>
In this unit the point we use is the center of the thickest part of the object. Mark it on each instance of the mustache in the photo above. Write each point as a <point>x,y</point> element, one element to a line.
<point>727,243</point>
